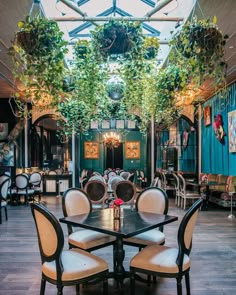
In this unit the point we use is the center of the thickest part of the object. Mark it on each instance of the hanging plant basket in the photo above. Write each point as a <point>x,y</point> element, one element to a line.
<point>39,36</point>
<point>82,48</point>
<point>117,37</point>
<point>151,47</point>
<point>201,39</point>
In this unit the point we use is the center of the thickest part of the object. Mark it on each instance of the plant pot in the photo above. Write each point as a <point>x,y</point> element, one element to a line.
<point>26,41</point>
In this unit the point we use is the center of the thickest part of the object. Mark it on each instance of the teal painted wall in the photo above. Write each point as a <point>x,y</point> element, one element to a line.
<point>216,157</point>
<point>99,164</point>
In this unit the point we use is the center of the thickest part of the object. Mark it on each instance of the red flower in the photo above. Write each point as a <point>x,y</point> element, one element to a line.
<point>118,202</point>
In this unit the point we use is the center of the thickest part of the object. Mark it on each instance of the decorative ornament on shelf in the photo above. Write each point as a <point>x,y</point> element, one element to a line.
<point>111,140</point>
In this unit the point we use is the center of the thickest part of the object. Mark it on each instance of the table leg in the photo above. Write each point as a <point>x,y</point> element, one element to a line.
<point>206,199</point>
<point>119,257</point>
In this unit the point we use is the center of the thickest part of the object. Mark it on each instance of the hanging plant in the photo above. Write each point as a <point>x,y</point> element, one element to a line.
<point>38,56</point>
<point>199,47</point>
<point>151,46</point>
<point>74,117</point>
<point>82,48</point>
<point>117,37</point>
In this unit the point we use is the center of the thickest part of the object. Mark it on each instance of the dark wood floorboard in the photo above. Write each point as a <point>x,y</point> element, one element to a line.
<point>213,256</point>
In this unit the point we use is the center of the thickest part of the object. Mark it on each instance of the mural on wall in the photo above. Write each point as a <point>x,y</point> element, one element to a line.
<point>232,131</point>
<point>91,150</point>
<point>207,116</point>
<point>3,131</point>
<point>185,138</point>
<point>6,154</point>
<point>132,150</point>
<point>218,128</point>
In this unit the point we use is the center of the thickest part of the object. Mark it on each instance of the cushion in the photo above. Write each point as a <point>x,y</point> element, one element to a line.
<point>77,264</point>
<point>86,239</point>
<point>158,258</point>
<point>153,236</point>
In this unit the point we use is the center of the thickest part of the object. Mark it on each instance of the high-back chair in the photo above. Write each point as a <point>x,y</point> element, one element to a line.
<point>113,181</point>
<point>75,201</point>
<point>166,261</point>
<point>35,181</point>
<point>151,200</point>
<point>64,267</point>
<point>185,194</point>
<point>98,178</point>
<point>125,174</point>
<point>22,187</point>
<point>126,191</point>
<point>3,197</point>
<point>97,192</point>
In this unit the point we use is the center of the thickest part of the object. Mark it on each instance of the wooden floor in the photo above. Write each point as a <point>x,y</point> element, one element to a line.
<point>213,270</point>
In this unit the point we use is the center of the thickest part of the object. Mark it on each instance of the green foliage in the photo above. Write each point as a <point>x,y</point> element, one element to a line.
<point>38,59</point>
<point>199,47</point>
<point>77,115</point>
<point>117,37</point>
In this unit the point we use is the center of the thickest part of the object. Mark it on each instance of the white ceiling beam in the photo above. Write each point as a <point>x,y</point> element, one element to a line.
<point>157,8</point>
<point>126,18</point>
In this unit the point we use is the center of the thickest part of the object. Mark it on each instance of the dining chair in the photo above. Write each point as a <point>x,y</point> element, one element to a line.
<point>126,191</point>
<point>125,174</point>
<point>113,181</point>
<point>22,187</point>
<point>167,261</point>
<point>64,267</point>
<point>35,182</point>
<point>151,200</point>
<point>75,201</point>
<point>186,194</point>
<point>96,177</point>
<point>3,197</point>
<point>97,192</point>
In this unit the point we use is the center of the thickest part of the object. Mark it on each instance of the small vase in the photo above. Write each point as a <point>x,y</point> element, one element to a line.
<point>116,212</point>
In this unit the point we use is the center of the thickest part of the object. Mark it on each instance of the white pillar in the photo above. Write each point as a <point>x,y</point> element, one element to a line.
<point>73,159</point>
<point>199,140</point>
<point>26,142</point>
<point>152,147</point>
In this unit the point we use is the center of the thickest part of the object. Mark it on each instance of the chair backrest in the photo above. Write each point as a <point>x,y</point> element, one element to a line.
<point>50,235</point>
<point>35,178</point>
<point>131,177</point>
<point>97,178</point>
<point>182,183</point>
<point>126,191</point>
<point>21,181</point>
<point>113,181</point>
<point>176,180</point>
<point>96,191</point>
<point>154,182</point>
<point>125,174</point>
<point>4,189</point>
<point>185,232</point>
<point>75,201</point>
<point>3,177</point>
<point>153,200</point>
<point>111,174</point>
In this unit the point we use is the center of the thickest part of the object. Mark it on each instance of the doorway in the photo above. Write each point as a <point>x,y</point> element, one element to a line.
<point>114,157</point>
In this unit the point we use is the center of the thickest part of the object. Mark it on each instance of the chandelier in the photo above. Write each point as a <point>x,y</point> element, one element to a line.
<point>111,140</point>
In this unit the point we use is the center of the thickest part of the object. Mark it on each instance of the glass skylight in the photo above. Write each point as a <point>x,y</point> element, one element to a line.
<point>80,29</point>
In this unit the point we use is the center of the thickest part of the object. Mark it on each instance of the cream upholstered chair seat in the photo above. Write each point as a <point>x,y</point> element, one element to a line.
<point>170,262</point>
<point>76,263</point>
<point>88,239</point>
<point>158,258</point>
<point>64,267</point>
<point>153,236</point>
<point>76,201</point>
<point>151,200</point>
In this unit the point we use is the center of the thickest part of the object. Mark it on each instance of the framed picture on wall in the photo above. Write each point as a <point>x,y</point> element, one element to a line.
<point>232,131</point>
<point>7,154</point>
<point>207,115</point>
<point>91,150</point>
<point>3,131</point>
<point>132,149</point>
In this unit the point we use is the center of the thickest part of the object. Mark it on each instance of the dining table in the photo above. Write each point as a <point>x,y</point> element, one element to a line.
<point>133,222</point>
